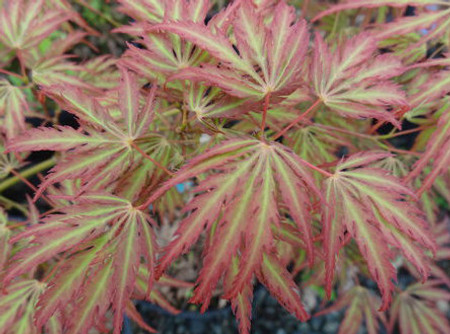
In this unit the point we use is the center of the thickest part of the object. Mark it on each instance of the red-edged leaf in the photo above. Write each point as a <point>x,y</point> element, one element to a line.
<point>24,23</point>
<point>360,307</point>
<point>373,208</point>
<point>238,205</point>
<point>415,309</point>
<point>266,50</point>
<point>353,82</point>
<point>280,284</point>
<point>102,240</point>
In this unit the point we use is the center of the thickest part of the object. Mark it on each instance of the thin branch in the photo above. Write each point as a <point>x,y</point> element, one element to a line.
<point>264,114</point>
<point>397,150</point>
<point>317,169</point>
<point>27,173</point>
<point>298,119</point>
<point>30,185</point>
<point>401,133</point>
<point>11,73</point>
<point>145,155</point>
<point>348,132</point>
<point>24,180</point>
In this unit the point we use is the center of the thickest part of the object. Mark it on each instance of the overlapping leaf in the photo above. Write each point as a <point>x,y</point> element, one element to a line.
<point>266,59</point>
<point>163,54</point>
<point>432,87</point>
<point>210,102</point>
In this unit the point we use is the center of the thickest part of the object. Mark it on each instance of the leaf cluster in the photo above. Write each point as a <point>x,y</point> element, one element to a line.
<point>299,144</point>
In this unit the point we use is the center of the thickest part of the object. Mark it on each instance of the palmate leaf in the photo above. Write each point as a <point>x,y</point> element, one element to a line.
<point>438,20</point>
<point>103,143</point>
<point>354,83</point>
<point>415,310</point>
<point>67,6</point>
<point>360,303</point>
<point>372,207</point>
<point>25,23</point>
<point>316,145</point>
<point>401,47</point>
<point>102,239</point>
<point>237,205</point>
<point>269,59</point>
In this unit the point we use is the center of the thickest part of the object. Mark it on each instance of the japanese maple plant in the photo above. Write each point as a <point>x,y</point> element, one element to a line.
<point>282,120</point>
